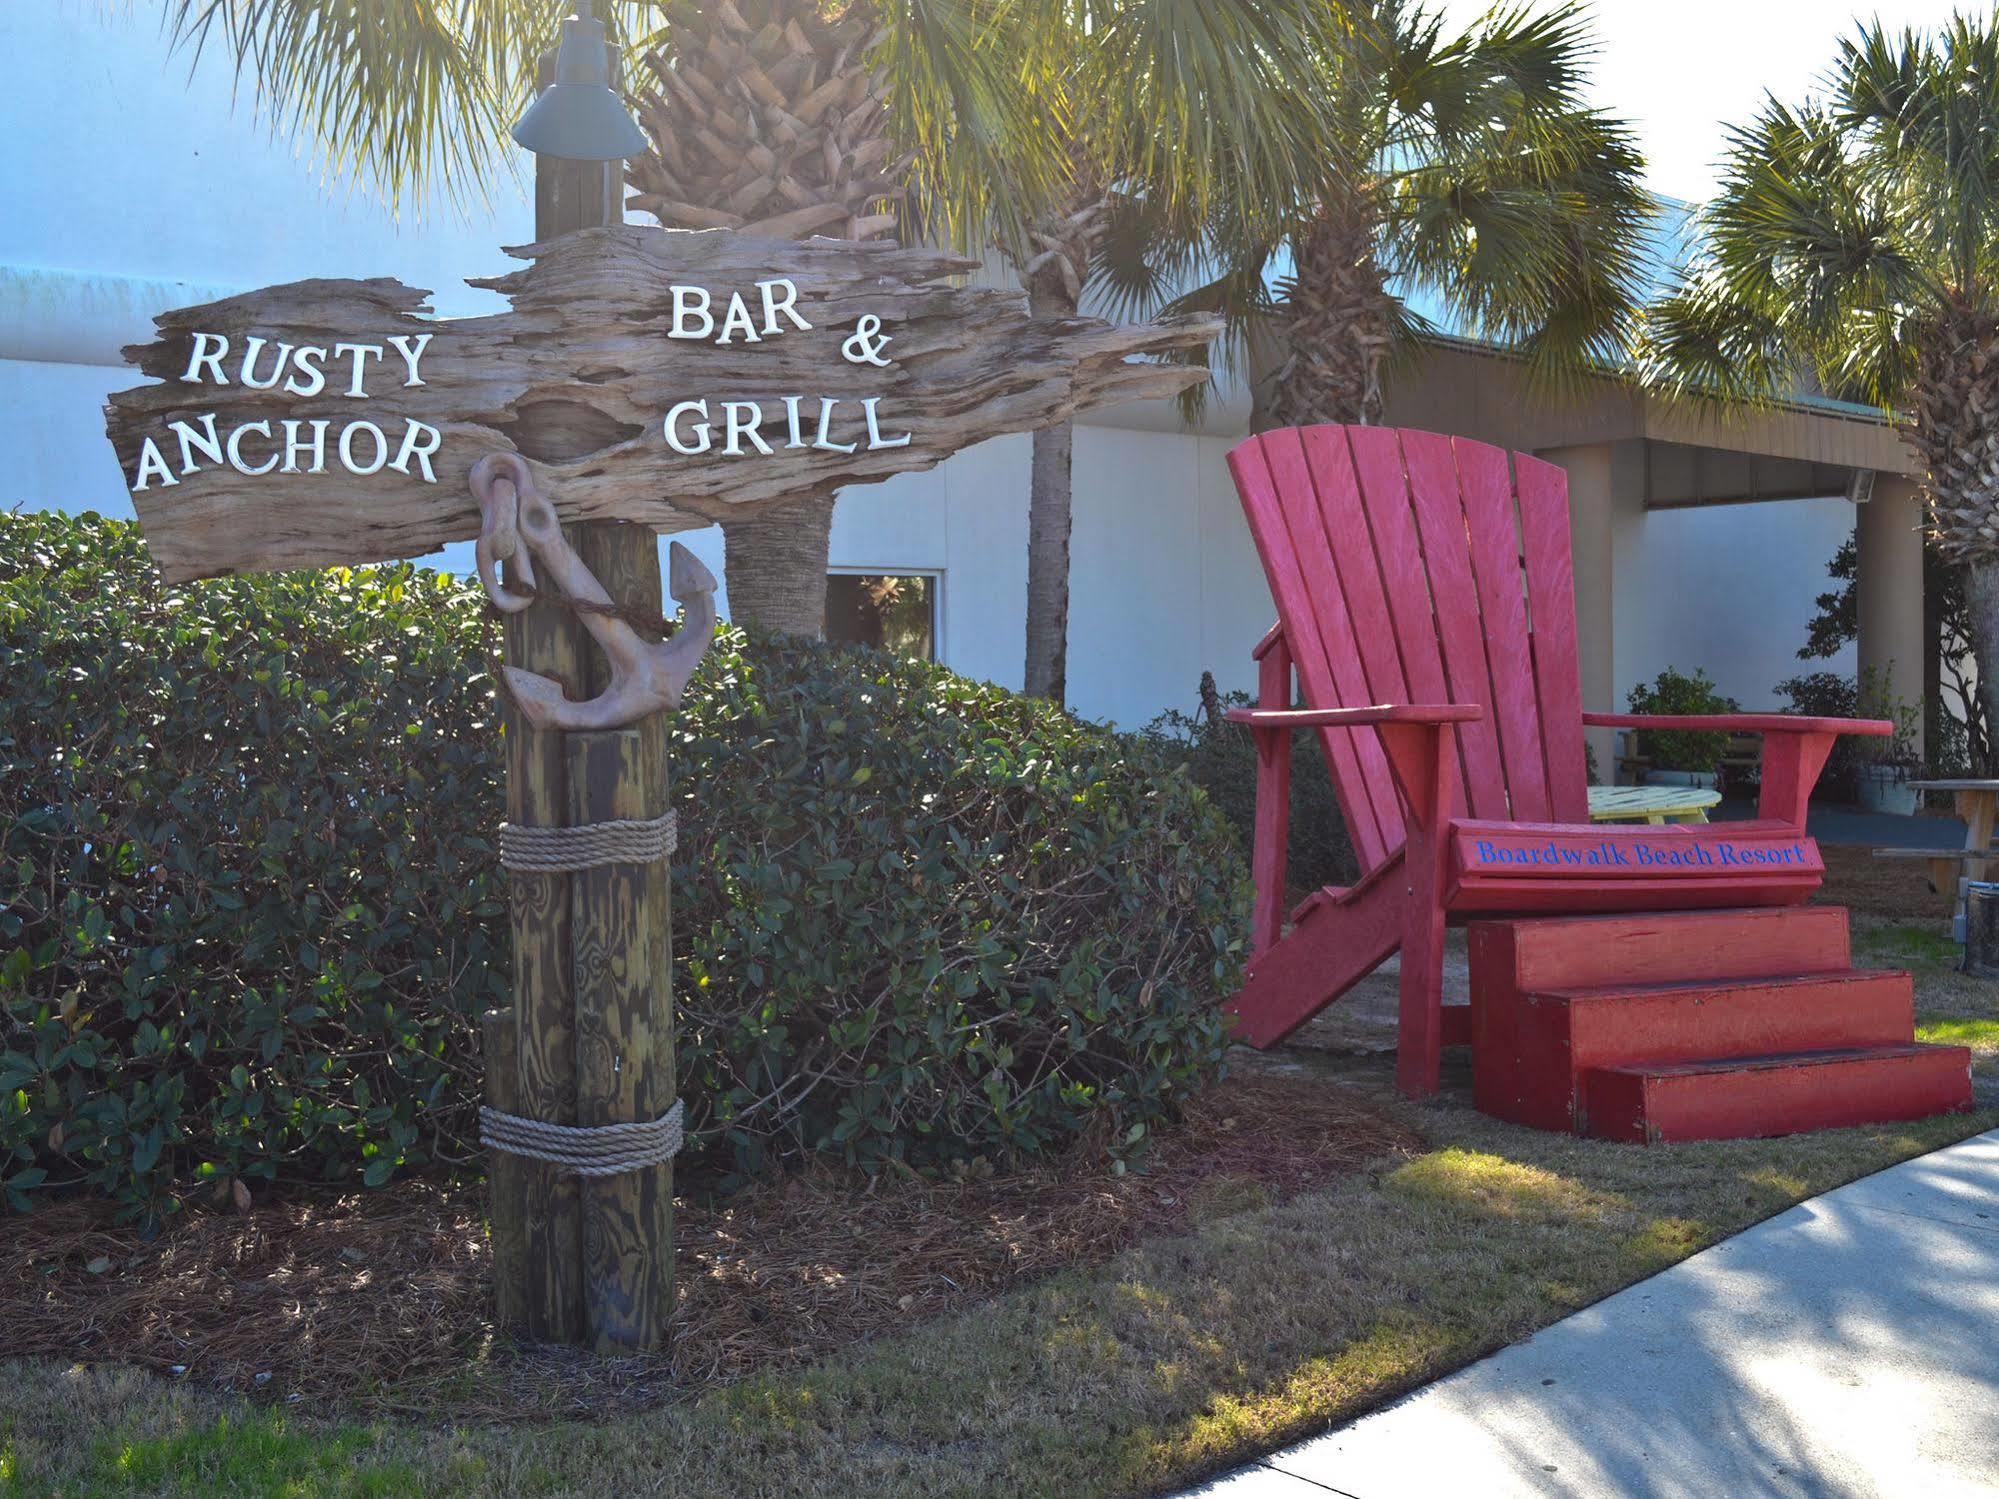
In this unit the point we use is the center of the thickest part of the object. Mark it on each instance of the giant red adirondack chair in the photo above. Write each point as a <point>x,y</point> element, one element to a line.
<point>1426,600</point>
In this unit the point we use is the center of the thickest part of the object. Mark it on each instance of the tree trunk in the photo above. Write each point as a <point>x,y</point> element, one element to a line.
<point>775,567</point>
<point>1981,600</point>
<point>1338,323</point>
<point>1048,527</point>
<point>1955,428</point>
<point>1067,241</point>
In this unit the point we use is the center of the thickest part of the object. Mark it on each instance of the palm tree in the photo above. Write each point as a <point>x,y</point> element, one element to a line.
<point>795,117</point>
<point>1464,168</point>
<point>1853,247</point>
<point>1154,107</point>
<point>416,94</point>
<point>1162,106</point>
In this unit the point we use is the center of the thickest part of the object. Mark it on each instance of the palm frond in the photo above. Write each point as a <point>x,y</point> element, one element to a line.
<point>1202,98</point>
<point>416,95</point>
<point>972,97</point>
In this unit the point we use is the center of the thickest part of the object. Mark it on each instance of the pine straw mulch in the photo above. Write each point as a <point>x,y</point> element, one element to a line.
<point>1888,889</point>
<point>382,1300</point>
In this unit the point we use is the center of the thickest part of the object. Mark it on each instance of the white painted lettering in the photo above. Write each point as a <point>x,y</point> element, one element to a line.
<point>691,302</point>
<point>293,447</point>
<point>786,304</point>
<point>347,447</point>
<point>702,430</point>
<point>152,465</point>
<point>738,319</point>
<point>826,405</point>
<point>236,449</point>
<point>212,357</point>
<point>205,442</point>
<point>251,349</point>
<point>361,353</point>
<point>411,347</point>
<point>415,447</point>
<point>307,362</point>
<point>875,438</point>
<point>791,421</point>
<point>737,427</point>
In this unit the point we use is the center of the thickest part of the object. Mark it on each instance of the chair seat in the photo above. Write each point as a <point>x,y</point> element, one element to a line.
<point>1511,866</point>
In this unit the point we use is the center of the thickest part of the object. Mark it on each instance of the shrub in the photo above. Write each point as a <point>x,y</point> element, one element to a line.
<point>1677,693</point>
<point>1221,758</point>
<point>1828,694</point>
<point>249,909</point>
<point>248,906</point>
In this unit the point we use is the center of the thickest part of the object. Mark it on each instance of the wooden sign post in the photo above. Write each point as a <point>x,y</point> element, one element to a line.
<point>643,381</point>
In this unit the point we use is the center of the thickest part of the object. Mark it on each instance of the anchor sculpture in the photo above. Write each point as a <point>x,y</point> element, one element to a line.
<point>518,523</point>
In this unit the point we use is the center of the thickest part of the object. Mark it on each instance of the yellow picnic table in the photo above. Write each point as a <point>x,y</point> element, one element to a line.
<point>1654,804</point>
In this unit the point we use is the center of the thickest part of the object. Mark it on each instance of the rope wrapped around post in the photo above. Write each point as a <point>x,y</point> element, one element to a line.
<point>565,850</point>
<point>599,1149</point>
<point>586,1150</point>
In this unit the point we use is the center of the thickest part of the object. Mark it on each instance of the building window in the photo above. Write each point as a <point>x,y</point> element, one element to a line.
<point>893,612</point>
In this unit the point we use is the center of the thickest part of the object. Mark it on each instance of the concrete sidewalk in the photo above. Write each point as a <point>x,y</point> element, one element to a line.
<point>1848,1347</point>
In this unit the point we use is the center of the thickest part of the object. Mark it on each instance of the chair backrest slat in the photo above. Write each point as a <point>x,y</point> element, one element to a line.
<point>1551,601</point>
<point>1405,631</point>
<point>1412,567</point>
<point>1276,489</point>
<point>1487,488</point>
<point>1440,521</point>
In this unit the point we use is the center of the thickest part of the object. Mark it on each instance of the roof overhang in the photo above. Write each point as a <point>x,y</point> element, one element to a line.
<point>1475,390</point>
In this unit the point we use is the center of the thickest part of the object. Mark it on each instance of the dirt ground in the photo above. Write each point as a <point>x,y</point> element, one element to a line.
<point>384,1297</point>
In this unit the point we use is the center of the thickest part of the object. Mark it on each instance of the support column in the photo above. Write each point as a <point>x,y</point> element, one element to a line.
<point>1595,472</point>
<point>1888,536</point>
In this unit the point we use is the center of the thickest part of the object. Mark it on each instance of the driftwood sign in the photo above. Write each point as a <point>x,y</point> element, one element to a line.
<point>698,374</point>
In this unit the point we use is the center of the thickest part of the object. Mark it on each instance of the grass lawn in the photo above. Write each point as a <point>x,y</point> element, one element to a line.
<point>1183,1354</point>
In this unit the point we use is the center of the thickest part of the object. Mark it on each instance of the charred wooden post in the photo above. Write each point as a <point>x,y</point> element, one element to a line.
<point>624,1030</point>
<point>547,640</point>
<point>560,979</point>
<point>505,1179</point>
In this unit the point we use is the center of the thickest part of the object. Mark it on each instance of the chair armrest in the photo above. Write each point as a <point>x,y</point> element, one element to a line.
<point>1354,718</point>
<point>1738,723</point>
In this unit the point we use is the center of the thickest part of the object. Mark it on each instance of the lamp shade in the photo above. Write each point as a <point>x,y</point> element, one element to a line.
<point>580,117</point>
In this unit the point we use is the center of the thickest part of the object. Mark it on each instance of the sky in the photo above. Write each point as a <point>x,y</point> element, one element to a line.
<point>1682,70</point>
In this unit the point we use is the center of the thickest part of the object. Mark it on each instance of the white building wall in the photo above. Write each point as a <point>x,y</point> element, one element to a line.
<point>1729,588</point>
<point>130,187</point>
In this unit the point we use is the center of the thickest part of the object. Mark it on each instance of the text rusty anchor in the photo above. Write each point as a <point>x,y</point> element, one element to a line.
<point>518,522</point>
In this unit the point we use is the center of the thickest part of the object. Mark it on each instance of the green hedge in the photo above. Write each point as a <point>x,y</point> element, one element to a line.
<point>1221,758</point>
<point>249,910</point>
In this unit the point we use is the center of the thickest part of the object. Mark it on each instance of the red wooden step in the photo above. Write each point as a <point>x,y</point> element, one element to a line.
<point>1738,1097</point>
<point>1560,1035</point>
<point>1520,1067</point>
<point>1576,952</point>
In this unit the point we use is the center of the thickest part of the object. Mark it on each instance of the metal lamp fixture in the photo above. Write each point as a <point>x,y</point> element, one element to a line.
<point>580,117</point>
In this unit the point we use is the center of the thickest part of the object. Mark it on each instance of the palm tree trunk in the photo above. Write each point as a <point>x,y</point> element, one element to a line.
<point>1338,322</point>
<point>1955,428</point>
<point>1048,525</point>
<point>1981,597</point>
<point>1067,240</point>
<point>776,568</point>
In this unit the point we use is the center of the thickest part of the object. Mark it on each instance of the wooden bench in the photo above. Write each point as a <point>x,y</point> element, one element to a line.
<point>1743,755</point>
<point>1945,874</point>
